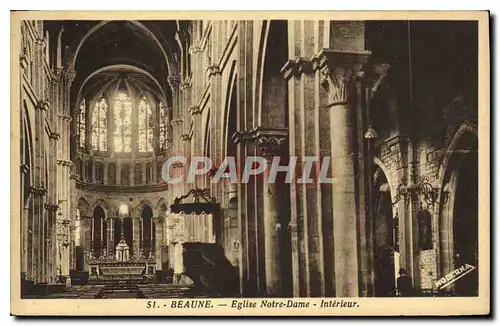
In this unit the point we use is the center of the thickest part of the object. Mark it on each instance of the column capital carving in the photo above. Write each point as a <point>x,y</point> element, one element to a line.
<point>51,207</point>
<point>176,122</point>
<point>54,135</point>
<point>271,141</point>
<point>69,75</point>
<point>186,83</point>
<point>64,162</point>
<point>194,48</point>
<point>43,105</point>
<point>242,136</point>
<point>213,70</point>
<point>195,109</point>
<point>42,191</point>
<point>339,71</point>
<point>177,165</point>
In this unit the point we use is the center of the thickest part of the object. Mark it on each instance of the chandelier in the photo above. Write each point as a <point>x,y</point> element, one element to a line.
<point>411,190</point>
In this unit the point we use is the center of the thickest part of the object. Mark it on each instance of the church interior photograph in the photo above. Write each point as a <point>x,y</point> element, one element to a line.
<point>103,105</point>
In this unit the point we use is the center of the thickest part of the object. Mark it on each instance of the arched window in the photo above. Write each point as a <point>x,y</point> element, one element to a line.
<point>100,126</point>
<point>81,124</point>
<point>162,130</point>
<point>122,128</point>
<point>98,232</point>
<point>145,126</point>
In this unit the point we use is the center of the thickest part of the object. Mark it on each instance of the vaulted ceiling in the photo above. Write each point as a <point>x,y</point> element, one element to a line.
<point>101,52</point>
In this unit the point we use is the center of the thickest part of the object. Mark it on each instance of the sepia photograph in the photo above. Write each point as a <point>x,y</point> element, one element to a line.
<point>229,164</point>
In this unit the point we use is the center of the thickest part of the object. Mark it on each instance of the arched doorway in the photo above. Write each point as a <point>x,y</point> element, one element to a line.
<point>99,240</point>
<point>147,231</point>
<point>385,230</point>
<point>459,217</point>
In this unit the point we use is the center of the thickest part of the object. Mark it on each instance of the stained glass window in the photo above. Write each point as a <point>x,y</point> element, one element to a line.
<point>122,128</point>
<point>162,130</point>
<point>145,126</point>
<point>81,124</point>
<point>100,126</point>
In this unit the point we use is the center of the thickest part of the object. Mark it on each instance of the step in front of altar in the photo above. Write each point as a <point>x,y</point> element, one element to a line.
<point>123,269</point>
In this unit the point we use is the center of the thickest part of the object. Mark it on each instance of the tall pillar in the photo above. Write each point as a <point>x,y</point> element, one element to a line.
<point>272,143</point>
<point>136,235</point>
<point>340,70</point>
<point>158,221</point>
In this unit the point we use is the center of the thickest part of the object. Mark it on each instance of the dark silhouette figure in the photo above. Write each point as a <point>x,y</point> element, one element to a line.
<point>405,284</point>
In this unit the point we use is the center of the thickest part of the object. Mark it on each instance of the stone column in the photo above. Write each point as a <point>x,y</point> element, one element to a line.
<point>158,221</point>
<point>340,70</point>
<point>136,236</point>
<point>272,143</point>
<point>110,244</point>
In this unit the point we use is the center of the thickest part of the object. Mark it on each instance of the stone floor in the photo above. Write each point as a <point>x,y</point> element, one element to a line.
<point>132,291</point>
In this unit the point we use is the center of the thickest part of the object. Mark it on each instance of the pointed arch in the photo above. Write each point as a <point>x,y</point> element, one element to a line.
<point>84,207</point>
<point>140,205</point>
<point>465,127</point>
<point>105,206</point>
<point>74,49</point>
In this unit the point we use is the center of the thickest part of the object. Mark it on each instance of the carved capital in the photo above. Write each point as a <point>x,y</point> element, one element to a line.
<point>195,48</point>
<point>64,162</point>
<point>43,105</point>
<point>194,110</point>
<point>186,84</point>
<point>42,191</point>
<point>176,122</point>
<point>177,165</point>
<point>271,142</point>
<point>213,70</point>
<point>339,71</point>
<point>185,137</point>
<point>51,207</point>
<point>69,76</point>
<point>242,136</point>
